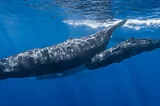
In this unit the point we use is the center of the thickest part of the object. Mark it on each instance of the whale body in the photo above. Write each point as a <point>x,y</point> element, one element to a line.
<point>122,51</point>
<point>57,58</point>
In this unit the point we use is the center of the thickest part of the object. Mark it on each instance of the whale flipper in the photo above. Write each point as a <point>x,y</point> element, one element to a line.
<point>63,73</point>
<point>50,76</point>
<point>124,50</point>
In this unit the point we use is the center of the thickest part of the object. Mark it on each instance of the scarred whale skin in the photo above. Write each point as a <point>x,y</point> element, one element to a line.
<point>57,58</point>
<point>122,51</point>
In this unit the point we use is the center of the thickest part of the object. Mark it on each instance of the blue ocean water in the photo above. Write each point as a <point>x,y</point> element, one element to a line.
<point>28,24</point>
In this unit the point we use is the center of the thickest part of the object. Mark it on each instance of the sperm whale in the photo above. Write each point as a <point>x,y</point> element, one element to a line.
<point>122,51</point>
<point>57,58</point>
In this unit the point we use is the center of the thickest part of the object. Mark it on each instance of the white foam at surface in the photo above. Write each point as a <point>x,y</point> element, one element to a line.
<point>131,23</point>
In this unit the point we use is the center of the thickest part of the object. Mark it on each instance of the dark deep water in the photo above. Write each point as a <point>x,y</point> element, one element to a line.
<point>28,24</point>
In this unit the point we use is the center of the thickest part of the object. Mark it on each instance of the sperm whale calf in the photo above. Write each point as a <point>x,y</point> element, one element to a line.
<point>122,51</point>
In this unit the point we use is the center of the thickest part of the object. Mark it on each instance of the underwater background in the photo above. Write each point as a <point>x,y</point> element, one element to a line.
<point>29,24</point>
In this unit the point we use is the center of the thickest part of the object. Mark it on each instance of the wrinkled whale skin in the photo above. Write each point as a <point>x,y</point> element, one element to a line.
<point>122,51</point>
<point>57,58</point>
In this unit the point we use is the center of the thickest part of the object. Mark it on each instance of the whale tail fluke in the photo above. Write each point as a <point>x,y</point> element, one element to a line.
<point>114,27</point>
<point>107,32</point>
<point>121,23</point>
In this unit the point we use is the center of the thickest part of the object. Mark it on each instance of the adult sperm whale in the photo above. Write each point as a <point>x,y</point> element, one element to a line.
<point>57,58</point>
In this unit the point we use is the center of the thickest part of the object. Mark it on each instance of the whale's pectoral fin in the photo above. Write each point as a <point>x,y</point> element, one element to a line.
<point>50,76</point>
<point>62,73</point>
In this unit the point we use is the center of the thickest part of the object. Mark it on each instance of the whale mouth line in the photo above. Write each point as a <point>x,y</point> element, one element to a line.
<point>135,24</point>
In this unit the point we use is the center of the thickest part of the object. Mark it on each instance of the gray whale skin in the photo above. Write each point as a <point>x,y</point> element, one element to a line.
<point>58,60</point>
